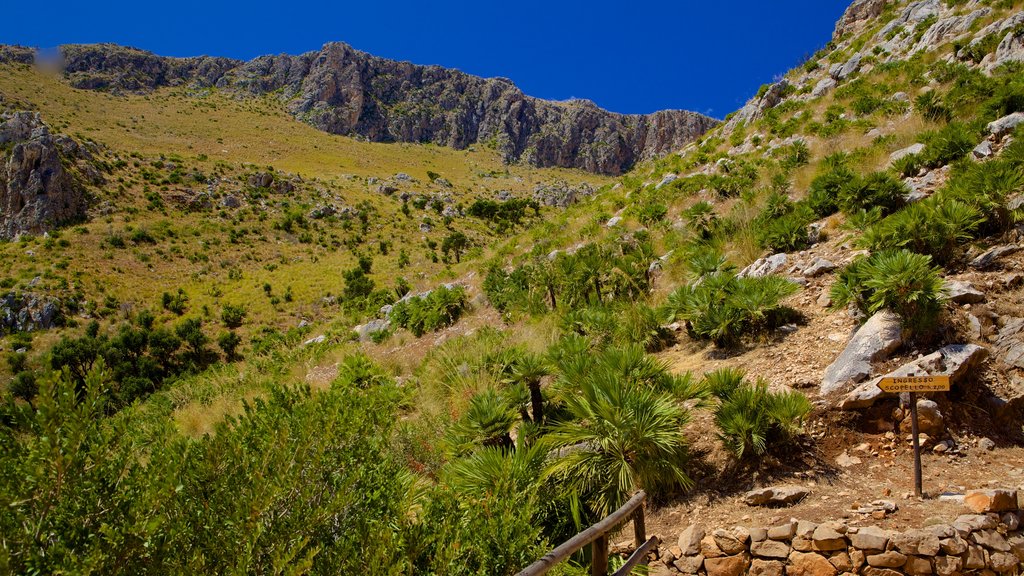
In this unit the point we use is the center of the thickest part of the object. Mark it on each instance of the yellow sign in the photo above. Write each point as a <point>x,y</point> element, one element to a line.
<point>914,384</point>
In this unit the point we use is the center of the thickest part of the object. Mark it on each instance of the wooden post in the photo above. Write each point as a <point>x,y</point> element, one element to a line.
<point>639,527</point>
<point>914,429</point>
<point>599,556</point>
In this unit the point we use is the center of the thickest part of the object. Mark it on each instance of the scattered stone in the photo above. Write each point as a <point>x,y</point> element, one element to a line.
<point>770,549</point>
<point>990,256</point>
<point>809,564</point>
<point>824,86</point>
<point>775,496</point>
<point>783,531</point>
<point>917,542</point>
<point>689,564</point>
<point>828,539</point>
<point>667,179</point>
<point>731,541</point>
<point>990,539</point>
<point>844,460</point>
<point>986,444</point>
<point>759,567</point>
<point>983,150</point>
<point>955,361</point>
<point>727,566</point>
<point>963,292</point>
<point>908,151</point>
<point>930,419</point>
<point>818,267</point>
<point>870,538</point>
<point>613,221</point>
<point>948,565</point>
<point>890,559</point>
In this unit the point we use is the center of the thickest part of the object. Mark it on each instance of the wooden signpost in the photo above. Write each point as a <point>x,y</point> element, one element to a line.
<point>913,385</point>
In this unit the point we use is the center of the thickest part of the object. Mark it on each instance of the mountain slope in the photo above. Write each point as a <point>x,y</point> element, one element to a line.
<point>344,91</point>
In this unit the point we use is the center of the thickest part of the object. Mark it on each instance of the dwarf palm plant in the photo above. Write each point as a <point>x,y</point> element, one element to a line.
<point>620,437</point>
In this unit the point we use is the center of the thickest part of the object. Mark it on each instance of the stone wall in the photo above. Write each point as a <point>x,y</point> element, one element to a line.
<point>987,542</point>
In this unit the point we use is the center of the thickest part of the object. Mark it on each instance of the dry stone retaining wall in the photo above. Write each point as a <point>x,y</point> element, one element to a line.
<point>987,543</point>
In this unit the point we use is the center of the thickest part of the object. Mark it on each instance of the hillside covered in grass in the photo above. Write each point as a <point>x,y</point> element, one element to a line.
<point>284,351</point>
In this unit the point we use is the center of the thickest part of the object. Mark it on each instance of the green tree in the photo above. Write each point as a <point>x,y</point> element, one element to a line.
<point>456,243</point>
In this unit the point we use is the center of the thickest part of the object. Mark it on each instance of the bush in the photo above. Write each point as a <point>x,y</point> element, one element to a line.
<point>232,315</point>
<point>896,280</point>
<point>439,309</point>
<point>24,386</point>
<point>175,302</point>
<point>936,226</point>
<point>952,142</point>
<point>823,194</point>
<point>228,343</point>
<point>878,189</point>
<point>787,232</point>
<point>753,420</point>
<point>723,307</point>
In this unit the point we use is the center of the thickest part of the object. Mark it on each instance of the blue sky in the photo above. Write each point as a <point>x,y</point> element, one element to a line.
<point>634,57</point>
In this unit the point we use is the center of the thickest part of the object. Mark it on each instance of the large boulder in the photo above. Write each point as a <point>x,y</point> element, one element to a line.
<point>874,341</point>
<point>36,192</point>
<point>955,361</point>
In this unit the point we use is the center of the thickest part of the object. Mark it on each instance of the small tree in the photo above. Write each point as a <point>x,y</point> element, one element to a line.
<point>456,243</point>
<point>228,342</point>
<point>25,387</point>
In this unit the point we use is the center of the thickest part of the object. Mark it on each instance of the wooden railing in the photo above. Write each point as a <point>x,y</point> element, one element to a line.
<point>598,535</point>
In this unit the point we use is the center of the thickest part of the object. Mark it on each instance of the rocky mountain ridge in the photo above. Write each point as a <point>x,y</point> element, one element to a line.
<point>345,91</point>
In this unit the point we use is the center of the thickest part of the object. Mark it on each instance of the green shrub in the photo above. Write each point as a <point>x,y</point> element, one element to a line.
<point>787,232</point>
<point>723,307</point>
<point>936,226</point>
<point>948,144</point>
<point>876,190</point>
<point>753,420</point>
<point>823,194</point>
<point>896,280</point>
<point>175,302</point>
<point>930,106</point>
<point>232,315</point>
<point>439,309</point>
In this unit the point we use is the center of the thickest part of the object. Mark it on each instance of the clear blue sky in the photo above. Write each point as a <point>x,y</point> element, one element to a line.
<point>628,56</point>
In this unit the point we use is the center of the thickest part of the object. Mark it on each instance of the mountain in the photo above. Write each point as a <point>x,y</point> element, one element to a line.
<point>344,91</point>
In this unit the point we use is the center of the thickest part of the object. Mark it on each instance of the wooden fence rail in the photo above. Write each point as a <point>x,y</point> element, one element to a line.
<point>598,535</point>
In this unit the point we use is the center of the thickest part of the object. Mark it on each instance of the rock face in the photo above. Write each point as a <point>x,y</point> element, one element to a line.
<point>344,91</point>
<point>36,192</point>
<point>873,341</point>
<point>28,312</point>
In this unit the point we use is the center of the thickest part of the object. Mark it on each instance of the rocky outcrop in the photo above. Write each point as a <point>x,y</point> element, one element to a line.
<point>120,68</point>
<point>856,15</point>
<point>36,191</point>
<point>27,312</point>
<point>344,91</point>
